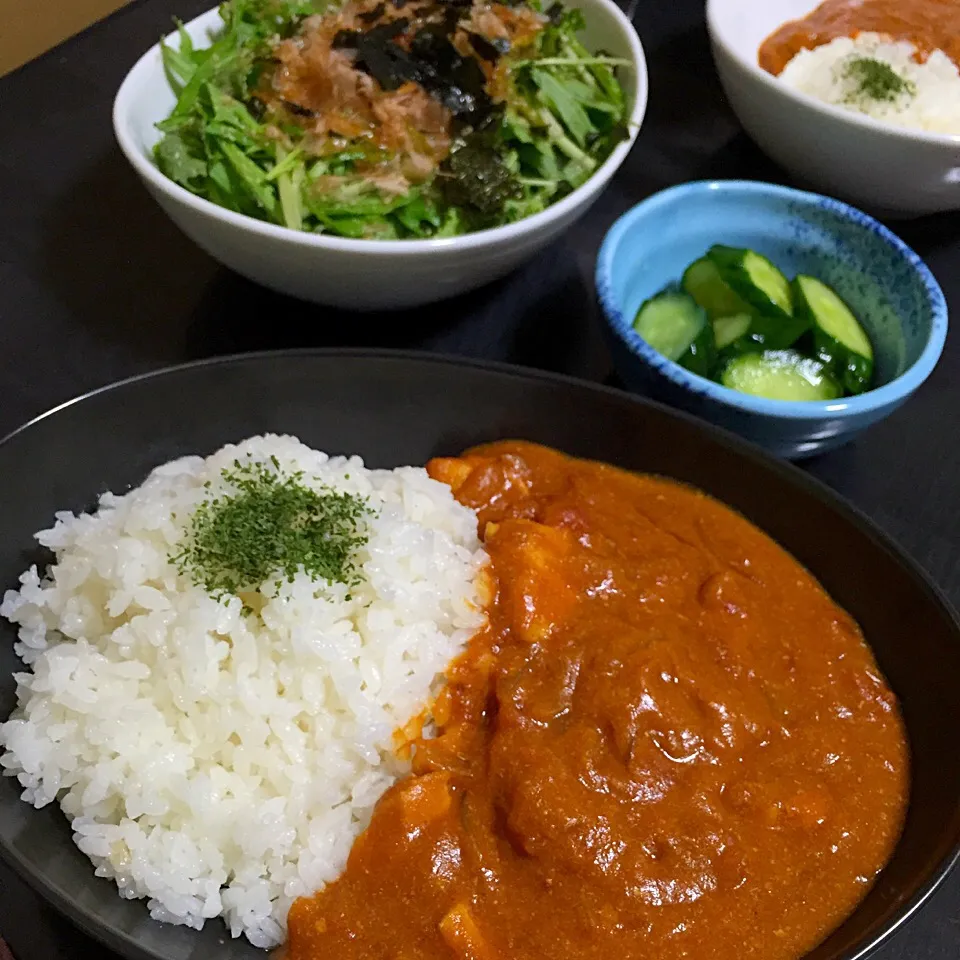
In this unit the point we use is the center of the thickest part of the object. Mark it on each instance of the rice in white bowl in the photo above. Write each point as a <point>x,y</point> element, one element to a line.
<point>216,762</point>
<point>931,103</point>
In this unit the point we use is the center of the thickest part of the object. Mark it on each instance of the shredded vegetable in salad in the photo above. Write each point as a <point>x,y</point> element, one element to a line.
<point>390,120</point>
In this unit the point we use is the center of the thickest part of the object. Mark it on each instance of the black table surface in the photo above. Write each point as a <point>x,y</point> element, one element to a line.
<point>96,284</point>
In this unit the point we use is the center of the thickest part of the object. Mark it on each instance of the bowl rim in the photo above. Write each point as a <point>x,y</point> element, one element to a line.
<point>897,389</point>
<point>124,108</point>
<point>914,134</point>
<point>119,940</point>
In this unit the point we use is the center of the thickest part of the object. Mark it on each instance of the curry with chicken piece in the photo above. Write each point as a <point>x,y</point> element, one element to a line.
<point>668,742</point>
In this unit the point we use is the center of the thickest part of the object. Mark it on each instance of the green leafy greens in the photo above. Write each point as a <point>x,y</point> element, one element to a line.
<point>554,121</point>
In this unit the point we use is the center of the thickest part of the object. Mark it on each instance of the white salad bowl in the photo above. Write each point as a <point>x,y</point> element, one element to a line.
<point>364,274</point>
<point>888,170</point>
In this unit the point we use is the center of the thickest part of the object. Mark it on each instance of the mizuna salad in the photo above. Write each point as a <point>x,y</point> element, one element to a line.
<point>390,119</point>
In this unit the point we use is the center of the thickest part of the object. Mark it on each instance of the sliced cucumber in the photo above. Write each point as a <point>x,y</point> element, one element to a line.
<point>767,292</point>
<point>753,277</point>
<point>776,332</point>
<point>701,355</point>
<point>703,282</point>
<point>728,329</point>
<point>670,322</point>
<point>839,340</point>
<point>780,375</point>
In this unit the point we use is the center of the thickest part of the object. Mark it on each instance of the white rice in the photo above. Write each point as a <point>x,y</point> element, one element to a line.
<point>934,104</point>
<point>216,763</point>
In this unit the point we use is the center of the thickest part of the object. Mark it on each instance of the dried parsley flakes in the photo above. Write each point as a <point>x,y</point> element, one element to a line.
<point>876,80</point>
<point>271,525</point>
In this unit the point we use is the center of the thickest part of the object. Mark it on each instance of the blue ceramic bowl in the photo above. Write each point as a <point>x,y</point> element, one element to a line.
<point>887,285</point>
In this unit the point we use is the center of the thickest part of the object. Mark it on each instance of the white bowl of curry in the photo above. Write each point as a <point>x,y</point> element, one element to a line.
<point>889,170</point>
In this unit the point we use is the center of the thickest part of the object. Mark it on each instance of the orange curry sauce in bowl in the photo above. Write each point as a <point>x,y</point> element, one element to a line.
<point>668,742</point>
<point>928,24</point>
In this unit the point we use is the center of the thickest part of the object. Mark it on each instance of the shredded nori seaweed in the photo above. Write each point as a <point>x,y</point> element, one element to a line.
<point>432,62</point>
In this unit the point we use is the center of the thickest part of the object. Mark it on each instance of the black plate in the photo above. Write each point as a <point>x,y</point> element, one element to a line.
<point>397,408</point>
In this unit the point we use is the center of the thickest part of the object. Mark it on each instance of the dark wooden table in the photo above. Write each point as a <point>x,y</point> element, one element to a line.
<point>96,284</point>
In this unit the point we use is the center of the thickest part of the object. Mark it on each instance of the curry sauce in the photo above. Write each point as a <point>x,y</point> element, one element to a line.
<point>928,24</point>
<point>667,742</point>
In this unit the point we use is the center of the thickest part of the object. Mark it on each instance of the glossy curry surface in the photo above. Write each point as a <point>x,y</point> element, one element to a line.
<point>669,742</point>
<point>928,24</point>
